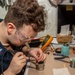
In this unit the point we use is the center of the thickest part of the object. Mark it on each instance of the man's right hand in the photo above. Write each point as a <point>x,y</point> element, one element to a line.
<point>17,63</point>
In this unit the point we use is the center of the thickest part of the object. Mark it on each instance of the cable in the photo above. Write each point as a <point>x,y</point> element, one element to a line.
<point>52,3</point>
<point>11,52</point>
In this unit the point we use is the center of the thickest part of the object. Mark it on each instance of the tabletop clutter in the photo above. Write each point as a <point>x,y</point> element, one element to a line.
<point>64,52</point>
<point>45,43</point>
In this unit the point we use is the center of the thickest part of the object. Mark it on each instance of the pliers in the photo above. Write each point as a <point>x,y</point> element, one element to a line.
<point>60,57</point>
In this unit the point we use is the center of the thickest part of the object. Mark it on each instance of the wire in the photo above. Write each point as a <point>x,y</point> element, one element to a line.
<point>52,3</point>
<point>11,52</point>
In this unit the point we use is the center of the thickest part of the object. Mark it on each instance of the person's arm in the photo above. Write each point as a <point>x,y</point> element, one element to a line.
<point>8,72</point>
<point>16,65</point>
<point>25,49</point>
<point>35,52</point>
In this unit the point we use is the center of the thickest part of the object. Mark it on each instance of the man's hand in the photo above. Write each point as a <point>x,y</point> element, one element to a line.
<point>17,63</point>
<point>38,54</point>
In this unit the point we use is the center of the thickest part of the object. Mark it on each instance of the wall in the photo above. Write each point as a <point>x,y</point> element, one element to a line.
<point>2,12</point>
<point>51,22</point>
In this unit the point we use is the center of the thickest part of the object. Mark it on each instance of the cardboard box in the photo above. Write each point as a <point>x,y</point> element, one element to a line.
<point>64,38</point>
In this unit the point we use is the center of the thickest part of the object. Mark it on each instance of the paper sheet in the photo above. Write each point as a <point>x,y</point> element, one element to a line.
<point>61,71</point>
<point>65,30</point>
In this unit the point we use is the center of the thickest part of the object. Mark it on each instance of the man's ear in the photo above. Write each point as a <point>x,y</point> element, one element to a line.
<point>10,28</point>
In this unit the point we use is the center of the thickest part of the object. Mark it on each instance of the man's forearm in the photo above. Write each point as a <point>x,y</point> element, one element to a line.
<point>8,72</point>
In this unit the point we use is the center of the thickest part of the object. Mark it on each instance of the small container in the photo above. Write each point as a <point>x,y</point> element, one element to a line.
<point>65,50</point>
<point>40,65</point>
<point>72,62</point>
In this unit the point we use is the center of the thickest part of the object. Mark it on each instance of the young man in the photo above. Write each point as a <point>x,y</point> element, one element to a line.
<point>21,24</point>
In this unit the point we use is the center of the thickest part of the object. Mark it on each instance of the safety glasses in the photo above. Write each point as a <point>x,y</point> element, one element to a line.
<point>23,37</point>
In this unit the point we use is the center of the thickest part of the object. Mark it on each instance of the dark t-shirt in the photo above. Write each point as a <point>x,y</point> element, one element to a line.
<point>7,57</point>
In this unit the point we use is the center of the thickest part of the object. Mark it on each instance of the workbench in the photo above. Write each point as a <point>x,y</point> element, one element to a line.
<point>50,64</point>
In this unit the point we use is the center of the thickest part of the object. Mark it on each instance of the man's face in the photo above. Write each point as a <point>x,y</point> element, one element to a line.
<point>23,35</point>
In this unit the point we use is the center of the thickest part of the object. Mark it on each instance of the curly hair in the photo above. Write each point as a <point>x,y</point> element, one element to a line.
<point>27,12</point>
